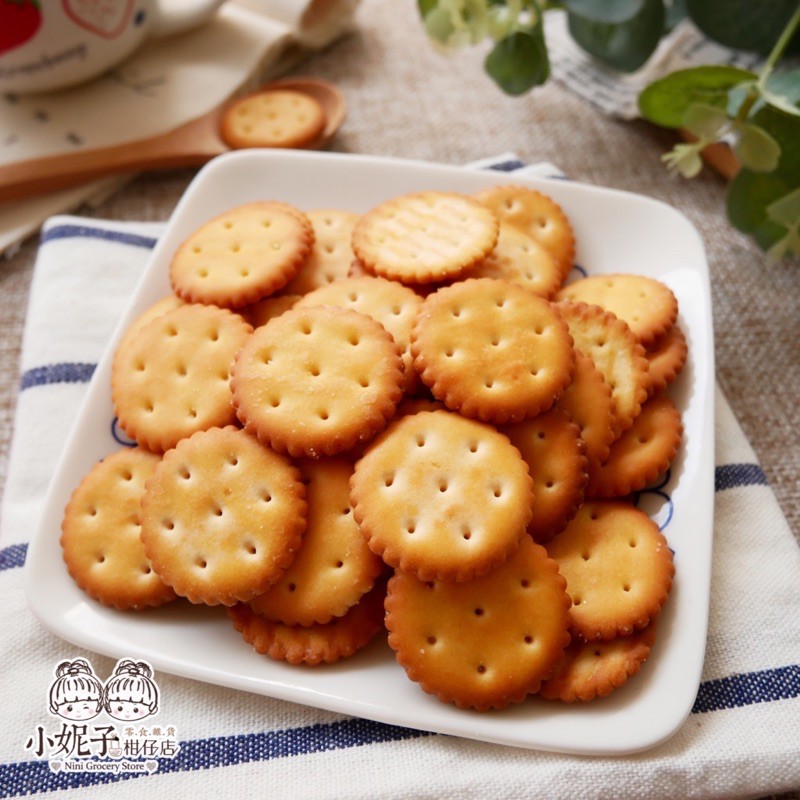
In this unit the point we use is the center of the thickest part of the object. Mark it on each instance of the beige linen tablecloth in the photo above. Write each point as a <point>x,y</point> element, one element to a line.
<point>406,100</point>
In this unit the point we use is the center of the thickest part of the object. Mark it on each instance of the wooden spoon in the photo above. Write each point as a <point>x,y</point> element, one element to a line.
<point>189,145</point>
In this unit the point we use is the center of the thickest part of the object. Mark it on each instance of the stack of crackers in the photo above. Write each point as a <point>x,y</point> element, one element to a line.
<point>403,421</point>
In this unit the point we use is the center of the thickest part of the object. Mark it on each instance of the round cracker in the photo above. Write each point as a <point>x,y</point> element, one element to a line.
<point>647,305</point>
<point>172,378</point>
<point>331,255</point>
<point>101,540</point>
<point>590,405</point>
<point>273,118</point>
<point>642,453</point>
<point>442,496</point>
<point>615,351</point>
<point>618,568</point>
<point>222,516</point>
<point>317,381</point>
<point>424,237</point>
<point>484,643</point>
<point>537,215</point>
<point>334,567</point>
<point>393,305</point>
<point>519,258</point>
<point>666,358</point>
<point>315,644</point>
<point>492,350</point>
<point>594,669</point>
<point>242,255</point>
<point>553,449</point>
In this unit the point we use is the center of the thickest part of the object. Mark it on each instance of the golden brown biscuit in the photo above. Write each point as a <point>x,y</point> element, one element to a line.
<point>242,255</point>
<point>101,529</point>
<point>442,496</point>
<point>317,381</point>
<point>484,643</point>
<point>615,351</point>
<point>537,215</point>
<point>424,237</point>
<point>667,357</point>
<point>331,255</point>
<point>492,350</point>
<point>172,378</point>
<point>273,118</point>
<point>222,517</point>
<point>618,569</point>
<point>552,447</point>
<point>519,258</point>
<point>594,669</point>
<point>334,567</point>
<point>314,644</point>
<point>647,305</point>
<point>393,305</point>
<point>642,453</point>
<point>590,405</point>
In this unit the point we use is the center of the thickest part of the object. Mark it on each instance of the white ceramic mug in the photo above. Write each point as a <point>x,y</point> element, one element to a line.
<point>50,44</point>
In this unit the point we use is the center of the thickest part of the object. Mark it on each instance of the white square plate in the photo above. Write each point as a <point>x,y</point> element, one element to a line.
<point>616,232</point>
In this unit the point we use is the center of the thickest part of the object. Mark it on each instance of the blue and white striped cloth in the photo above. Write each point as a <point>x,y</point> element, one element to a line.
<point>741,740</point>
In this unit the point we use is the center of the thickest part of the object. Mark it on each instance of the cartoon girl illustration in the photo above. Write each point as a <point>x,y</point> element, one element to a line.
<point>131,693</point>
<point>76,693</point>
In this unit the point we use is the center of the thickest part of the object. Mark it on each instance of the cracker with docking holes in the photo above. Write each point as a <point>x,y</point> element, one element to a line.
<point>615,351</point>
<point>442,496</point>
<point>487,642</point>
<point>242,255</point>
<point>519,258</point>
<point>317,381</point>
<point>168,303</point>
<point>332,253</point>
<point>425,237</point>
<point>588,402</point>
<point>647,305</point>
<point>552,447</point>
<point>618,569</point>
<point>334,567</point>
<point>641,453</point>
<point>314,644</point>
<point>273,118</point>
<point>666,357</point>
<point>536,214</point>
<point>594,669</point>
<point>393,305</point>
<point>222,516</point>
<point>492,350</point>
<point>172,377</point>
<point>100,536</point>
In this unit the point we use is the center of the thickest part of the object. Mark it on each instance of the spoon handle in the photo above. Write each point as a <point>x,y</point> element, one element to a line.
<point>189,145</point>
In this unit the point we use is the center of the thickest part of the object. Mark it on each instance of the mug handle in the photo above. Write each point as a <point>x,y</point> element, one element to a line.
<point>176,16</point>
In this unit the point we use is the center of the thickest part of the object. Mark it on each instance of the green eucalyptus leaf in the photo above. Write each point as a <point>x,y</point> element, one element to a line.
<point>706,121</point>
<point>753,25</point>
<point>785,130</point>
<point>782,91</point>
<point>519,62</point>
<point>665,101</point>
<point>625,46</point>
<point>756,149</point>
<point>749,194</point>
<point>785,210</point>
<point>604,11</point>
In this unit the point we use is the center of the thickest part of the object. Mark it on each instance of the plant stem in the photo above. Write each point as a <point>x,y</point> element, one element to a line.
<point>769,67</point>
<point>780,46</point>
